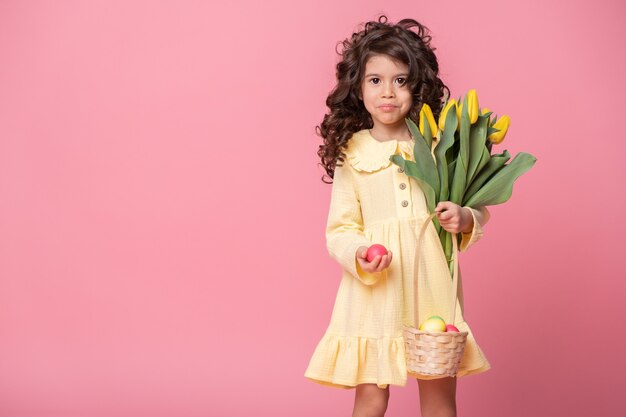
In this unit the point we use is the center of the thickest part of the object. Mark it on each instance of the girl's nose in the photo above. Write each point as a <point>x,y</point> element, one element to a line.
<point>388,90</point>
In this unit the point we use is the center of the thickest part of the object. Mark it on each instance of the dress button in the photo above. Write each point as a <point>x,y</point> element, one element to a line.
<point>402,186</point>
<point>405,203</point>
<point>400,170</point>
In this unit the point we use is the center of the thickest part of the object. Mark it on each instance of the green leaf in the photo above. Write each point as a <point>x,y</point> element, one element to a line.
<point>484,160</point>
<point>451,168</point>
<point>476,148</point>
<point>453,151</point>
<point>499,188</point>
<point>460,172</point>
<point>437,225</point>
<point>493,165</point>
<point>428,135</point>
<point>445,142</point>
<point>425,161</point>
<point>504,153</point>
<point>414,130</point>
<point>412,170</point>
<point>442,236</point>
<point>491,130</point>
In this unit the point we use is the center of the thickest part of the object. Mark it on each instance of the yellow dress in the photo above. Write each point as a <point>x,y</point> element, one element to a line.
<point>374,201</point>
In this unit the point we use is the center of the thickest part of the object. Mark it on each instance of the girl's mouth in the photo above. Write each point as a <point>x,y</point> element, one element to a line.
<point>387,108</point>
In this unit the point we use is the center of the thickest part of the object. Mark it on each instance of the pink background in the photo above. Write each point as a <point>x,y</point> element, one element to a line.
<point>162,216</point>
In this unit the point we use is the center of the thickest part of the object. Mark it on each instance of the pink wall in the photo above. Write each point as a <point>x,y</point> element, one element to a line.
<point>161,216</point>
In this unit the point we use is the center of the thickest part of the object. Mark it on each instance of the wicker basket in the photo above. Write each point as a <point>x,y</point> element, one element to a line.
<point>434,353</point>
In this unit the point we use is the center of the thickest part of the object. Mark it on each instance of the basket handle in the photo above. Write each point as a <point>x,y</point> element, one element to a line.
<point>417,264</point>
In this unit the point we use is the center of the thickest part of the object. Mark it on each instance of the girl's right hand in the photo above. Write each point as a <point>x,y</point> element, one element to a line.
<point>378,264</point>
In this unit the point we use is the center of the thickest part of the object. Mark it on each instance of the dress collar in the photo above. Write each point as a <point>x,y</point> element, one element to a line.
<point>367,154</point>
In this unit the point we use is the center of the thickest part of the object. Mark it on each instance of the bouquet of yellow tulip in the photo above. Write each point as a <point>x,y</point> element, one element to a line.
<point>461,168</point>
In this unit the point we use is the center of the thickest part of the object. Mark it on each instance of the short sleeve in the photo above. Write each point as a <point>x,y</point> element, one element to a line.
<point>344,229</point>
<point>481,217</point>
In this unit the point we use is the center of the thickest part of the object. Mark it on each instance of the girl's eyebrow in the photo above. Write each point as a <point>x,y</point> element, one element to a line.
<point>377,75</point>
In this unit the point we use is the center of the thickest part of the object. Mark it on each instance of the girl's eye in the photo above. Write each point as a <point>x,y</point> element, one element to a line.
<point>399,78</point>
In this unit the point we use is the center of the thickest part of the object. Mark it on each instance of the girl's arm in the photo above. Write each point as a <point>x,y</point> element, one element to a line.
<point>344,229</point>
<point>480,216</point>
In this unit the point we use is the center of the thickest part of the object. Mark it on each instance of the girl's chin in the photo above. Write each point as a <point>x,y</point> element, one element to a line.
<point>391,121</point>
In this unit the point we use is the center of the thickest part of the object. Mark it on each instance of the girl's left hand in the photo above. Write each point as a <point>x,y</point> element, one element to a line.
<point>454,218</point>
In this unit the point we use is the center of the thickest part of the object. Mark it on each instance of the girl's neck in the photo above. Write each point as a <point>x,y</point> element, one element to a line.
<point>385,135</point>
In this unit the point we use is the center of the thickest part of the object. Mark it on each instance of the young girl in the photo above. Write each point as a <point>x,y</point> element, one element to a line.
<point>386,73</point>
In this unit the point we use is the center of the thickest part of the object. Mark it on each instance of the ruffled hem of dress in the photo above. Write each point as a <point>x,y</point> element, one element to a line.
<point>474,360</point>
<point>346,361</point>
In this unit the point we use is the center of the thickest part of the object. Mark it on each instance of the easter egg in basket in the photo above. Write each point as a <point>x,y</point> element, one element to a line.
<point>433,324</point>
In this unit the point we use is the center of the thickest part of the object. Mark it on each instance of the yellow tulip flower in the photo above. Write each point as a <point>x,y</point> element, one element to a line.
<point>444,112</point>
<point>485,111</point>
<point>503,124</point>
<point>472,103</point>
<point>427,113</point>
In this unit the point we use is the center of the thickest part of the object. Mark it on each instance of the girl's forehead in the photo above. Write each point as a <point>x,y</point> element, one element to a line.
<point>384,63</point>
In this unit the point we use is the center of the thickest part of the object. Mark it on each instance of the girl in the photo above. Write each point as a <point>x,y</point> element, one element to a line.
<point>386,73</point>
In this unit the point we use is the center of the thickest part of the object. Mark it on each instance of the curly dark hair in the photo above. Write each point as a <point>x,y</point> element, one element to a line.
<point>347,112</point>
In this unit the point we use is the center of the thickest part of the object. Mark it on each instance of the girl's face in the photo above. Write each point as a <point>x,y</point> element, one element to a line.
<point>385,94</point>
